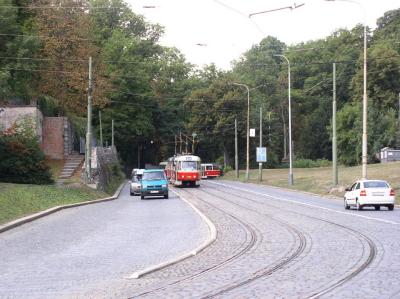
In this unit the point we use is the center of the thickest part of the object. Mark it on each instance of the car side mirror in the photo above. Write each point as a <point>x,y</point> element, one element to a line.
<point>347,189</point>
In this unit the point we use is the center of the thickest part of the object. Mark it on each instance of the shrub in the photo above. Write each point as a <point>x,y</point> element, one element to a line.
<point>113,177</point>
<point>21,159</point>
<point>308,163</point>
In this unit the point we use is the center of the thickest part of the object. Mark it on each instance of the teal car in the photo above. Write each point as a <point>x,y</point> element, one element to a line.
<point>154,183</point>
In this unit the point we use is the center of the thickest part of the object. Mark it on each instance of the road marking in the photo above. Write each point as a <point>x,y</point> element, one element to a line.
<point>307,204</point>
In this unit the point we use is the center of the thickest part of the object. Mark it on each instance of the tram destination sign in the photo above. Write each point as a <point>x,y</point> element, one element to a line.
<point>261,154</point>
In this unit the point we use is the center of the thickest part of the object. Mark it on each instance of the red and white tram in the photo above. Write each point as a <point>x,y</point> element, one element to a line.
<point>184,170</point>
<point>209,170</point>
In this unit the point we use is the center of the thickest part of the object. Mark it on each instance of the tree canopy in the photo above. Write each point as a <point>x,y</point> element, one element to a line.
<point>153,93</point>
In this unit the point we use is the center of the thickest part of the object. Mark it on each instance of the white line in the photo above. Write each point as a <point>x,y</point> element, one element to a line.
<point>307,204</point>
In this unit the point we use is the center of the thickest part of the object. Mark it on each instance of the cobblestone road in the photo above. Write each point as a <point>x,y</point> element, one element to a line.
<point>271,243</point>
<point>280,244</point>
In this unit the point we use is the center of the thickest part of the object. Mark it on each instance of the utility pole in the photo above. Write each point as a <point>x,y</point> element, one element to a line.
<point>269,128</point>
<point>260,163</point>
<point>88,152</point>
<point>101,130</point>
<point>112,133</point>
<point>186,145</point>
<point>334,138</point>
<point>236,151</point>
<point>193,143</point>
<point>180,142</point>
<point>399,108</point>
<point>175,144</point>
<point>138,155</point>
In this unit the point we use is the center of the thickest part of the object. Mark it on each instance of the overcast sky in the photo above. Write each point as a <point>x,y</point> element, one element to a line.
<point>219,31</point>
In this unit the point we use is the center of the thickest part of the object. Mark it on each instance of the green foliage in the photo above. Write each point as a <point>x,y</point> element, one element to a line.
<point>349,128</point>
<point>308,163</point>
<point>115,177</point>
<point>21,159</point>
<point>152,93</point>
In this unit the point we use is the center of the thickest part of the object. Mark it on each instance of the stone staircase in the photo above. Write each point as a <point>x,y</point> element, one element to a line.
<point>72,163</point>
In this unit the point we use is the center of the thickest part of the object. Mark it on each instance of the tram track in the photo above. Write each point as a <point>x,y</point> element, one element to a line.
<point>251,242</point>
<point>372,247</point>
<point>270,269</point>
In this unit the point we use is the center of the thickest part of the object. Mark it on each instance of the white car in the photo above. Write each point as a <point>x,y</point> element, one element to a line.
<point>369,193</point>
<point>135,186</point>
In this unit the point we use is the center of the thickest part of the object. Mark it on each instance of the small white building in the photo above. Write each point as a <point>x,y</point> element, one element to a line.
<point>389,155</point>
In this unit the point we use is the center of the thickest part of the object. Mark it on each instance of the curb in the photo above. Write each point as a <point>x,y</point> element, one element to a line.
<point>52,210</point>
<point>213,237</point>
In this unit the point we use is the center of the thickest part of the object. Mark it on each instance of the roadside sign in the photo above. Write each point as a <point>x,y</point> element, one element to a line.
<point>261,154</point>
<point>252,132</point>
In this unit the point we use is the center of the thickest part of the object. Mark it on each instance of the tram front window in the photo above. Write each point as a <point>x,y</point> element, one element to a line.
<point>189,165</point>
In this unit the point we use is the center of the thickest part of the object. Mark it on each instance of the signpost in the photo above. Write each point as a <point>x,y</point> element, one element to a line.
<point>261,154</point>
<point>261,157</point>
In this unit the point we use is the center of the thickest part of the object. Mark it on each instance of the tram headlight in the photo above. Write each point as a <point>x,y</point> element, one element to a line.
<point>164,185</point>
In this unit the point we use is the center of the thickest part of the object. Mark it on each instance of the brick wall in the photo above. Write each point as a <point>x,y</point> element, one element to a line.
<point>53,137</point>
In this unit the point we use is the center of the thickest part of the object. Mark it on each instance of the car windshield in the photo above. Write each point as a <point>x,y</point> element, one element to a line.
<point>189,165</point>
<point>156,175</point>
<point>375,184</point>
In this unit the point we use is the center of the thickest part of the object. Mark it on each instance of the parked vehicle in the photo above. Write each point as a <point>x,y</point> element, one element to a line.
<point>184,170</point>
<point>135,185</point>
<point>209,170</point>
<point>369,193</point>
<point>154,183</point>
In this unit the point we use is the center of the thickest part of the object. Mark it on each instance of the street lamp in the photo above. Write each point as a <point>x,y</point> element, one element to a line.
<point>248,129</point>
<point>365,100</point>
<point>290,180</point>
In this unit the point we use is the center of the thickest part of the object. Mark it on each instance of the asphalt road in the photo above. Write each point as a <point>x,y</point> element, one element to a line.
<point>71,252</point>
<point>271,243</point>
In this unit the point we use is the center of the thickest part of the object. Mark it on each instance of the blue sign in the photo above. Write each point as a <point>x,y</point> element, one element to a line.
<point>261,154</point>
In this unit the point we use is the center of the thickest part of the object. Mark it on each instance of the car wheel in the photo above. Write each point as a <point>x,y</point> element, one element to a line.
<point>141,196</point>
<point>358,206</point>
<point>377,208</point>
<point>346,206</point>
<point>390,207</point>
<point>166,196</point>
<point>132,194</point>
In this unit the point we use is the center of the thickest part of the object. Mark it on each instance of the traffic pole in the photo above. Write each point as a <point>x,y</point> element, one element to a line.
<point>260,163</point>
<point>236,151</point>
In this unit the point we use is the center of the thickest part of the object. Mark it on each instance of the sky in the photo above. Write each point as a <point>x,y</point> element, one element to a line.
<point>219,31</point>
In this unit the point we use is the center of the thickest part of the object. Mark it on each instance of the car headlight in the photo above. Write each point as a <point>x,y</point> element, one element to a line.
<point>164,185</point>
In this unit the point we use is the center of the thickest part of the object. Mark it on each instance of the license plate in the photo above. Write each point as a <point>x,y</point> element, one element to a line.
<point>378,194</point>
<point>153,191</point>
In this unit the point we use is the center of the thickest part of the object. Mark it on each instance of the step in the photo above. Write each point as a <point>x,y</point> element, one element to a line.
<point>69,165</point>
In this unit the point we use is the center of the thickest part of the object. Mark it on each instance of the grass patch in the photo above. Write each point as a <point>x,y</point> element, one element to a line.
<point>18,200</point>
<point>319,180</point>
<point>56,167</point>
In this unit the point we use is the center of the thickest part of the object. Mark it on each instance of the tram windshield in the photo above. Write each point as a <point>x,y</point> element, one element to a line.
<point>189,165</point>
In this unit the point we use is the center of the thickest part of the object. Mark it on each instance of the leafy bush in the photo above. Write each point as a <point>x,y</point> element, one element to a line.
<point>227,169</point>
<point>308,163</point>
<point>21,159</point>
<point>114,177</point>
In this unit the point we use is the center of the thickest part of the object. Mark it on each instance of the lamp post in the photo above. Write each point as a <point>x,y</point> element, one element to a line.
<point>365,99</point>
<point>290,180</point>
<point>248,129</point>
